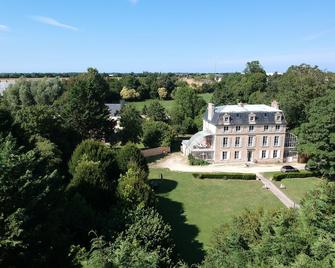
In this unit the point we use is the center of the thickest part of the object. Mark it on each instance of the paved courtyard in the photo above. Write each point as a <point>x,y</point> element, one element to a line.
<point>178,162</point>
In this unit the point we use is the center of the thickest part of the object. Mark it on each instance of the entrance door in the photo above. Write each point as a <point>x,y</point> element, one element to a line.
<point>249,156</point>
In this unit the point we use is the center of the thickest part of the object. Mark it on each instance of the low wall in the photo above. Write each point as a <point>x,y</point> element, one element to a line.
<point>155,151</point>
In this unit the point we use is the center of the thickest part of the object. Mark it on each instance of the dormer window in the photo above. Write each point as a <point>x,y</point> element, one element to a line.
<point>226,119</point>
<point>278,118</point>
<point>252,118</point>
<point>265,115</point>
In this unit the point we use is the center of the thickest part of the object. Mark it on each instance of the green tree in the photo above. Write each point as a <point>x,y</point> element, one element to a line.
<point>187,106</point>
<point>30,194</point>
<point>155,111</point>
<point>131,124</point>
<point>133,189</point>
<point>157,134</point>
<point>317,135</point>
<point>84,107</point>
<point>130,154</point>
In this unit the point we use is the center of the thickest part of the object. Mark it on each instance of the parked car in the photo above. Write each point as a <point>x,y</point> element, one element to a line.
<point>288,169</point>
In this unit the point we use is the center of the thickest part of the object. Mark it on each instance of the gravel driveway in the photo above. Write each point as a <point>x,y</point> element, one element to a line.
<point>178,162</point>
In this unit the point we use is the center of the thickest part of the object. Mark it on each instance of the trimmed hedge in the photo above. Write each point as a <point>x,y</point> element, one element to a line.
<point>225,176</point>
<point>302,174</point>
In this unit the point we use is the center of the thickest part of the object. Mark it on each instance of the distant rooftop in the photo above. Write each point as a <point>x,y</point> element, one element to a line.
<point>245,108</point>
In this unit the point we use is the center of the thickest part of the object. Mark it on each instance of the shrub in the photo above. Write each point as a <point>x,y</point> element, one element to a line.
<point>225,176</point>
<point>130,154</point>
<point>196,162</point>
<point>302,174</point>
<point>157,134</point>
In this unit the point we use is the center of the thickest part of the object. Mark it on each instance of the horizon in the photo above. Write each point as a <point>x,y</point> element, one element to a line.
<point>125,36</point>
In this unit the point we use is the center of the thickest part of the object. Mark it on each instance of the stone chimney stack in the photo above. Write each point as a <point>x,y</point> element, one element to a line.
<point>275,104</point>
<point>210,111</point>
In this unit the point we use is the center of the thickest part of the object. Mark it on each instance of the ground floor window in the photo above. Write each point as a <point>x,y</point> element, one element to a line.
<point>263,153</point>
<point>237,155</point>
<point>275,153</point>
<point>224,155</point>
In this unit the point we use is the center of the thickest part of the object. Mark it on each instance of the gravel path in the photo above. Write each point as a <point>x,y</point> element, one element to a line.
<point>277,192</point>
<point>178,162</point>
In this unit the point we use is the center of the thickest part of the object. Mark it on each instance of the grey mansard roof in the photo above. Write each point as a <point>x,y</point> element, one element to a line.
<point>239,115</point>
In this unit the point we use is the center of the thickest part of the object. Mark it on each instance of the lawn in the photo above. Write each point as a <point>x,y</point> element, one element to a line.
<point>195,207</point>
<point>297,188</point>
<point>167,104</point>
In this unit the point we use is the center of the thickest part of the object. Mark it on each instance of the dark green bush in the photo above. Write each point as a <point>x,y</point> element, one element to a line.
<point>196,162</point>
<point>302,174</point>
<point>225,176</point>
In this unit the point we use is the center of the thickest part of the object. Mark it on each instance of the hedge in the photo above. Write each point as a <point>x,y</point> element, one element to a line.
<point>302,174</point>
<point>225,176</point>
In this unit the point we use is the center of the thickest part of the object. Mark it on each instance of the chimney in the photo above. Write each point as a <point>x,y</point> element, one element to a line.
<point>210,111</point>
<point>275,104</point>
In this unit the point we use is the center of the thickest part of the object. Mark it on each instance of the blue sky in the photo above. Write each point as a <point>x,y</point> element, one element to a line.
<point>165,35</point>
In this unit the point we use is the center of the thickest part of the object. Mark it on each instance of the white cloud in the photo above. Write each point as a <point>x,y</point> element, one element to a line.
<point>53,22</point>
<point>134,2</point>
<point>4,28</point>
<point>319,34</point>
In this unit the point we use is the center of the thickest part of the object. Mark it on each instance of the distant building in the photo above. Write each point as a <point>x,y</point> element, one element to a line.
<point>243,133</point>
<point>114,112</point>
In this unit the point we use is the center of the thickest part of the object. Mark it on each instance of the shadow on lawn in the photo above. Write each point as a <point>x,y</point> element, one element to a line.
<point>189,249</point>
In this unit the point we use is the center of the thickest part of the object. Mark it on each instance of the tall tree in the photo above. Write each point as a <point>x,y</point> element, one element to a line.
<point>84,109</point>
<point>131,124</point>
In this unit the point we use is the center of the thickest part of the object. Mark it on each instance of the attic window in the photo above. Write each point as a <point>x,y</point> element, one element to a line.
<point>278,117</point>
<point>237,115</point>
<point>265,115</point>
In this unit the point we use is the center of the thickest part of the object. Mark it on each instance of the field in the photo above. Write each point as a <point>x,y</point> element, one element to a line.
<point>167,104</point>
<point>297,188</point>
<point>196,207</point>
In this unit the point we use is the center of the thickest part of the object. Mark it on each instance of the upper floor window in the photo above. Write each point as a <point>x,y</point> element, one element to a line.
<point>225,129</point>
<point>266,128</point>
<point>276,141</point>
<point>251,128</point>
<point>265,141</point>
<point>238,128</point>
<point>250,141</point>
<point>237,141</point>
<point>225,142</point>
<point>277,127</point>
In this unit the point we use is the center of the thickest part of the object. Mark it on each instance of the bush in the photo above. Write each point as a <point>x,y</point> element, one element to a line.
<point>157,134</point>
<point>302,174</point>
<point>225,176</point>
<point>196,162</point>
<point>130,154</point>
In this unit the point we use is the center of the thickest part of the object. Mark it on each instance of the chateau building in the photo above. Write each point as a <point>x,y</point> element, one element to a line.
<point>242,133</point>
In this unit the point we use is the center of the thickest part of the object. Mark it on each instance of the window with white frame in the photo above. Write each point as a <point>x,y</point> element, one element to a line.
<point>263,154</point>
<point>225,129</point>
<point>250,141</point>
<point>266,128</point>
<point>276,141</point>
<point>238,128</point>
<point>277,127</point>
<point>275,153</point>
<point>251,128</point>
<point>237,154</point>
<point>224,155</point>
<point>237,141</point>
<point>265,141</point>
<point>225,142</point>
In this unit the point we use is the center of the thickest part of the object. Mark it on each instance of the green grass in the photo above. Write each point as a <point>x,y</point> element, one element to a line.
<point>196,207</point>
<point>297,188</point>
<point>167,104</point>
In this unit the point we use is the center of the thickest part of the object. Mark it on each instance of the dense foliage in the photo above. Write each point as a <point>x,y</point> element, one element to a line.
<point>282,238</point>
